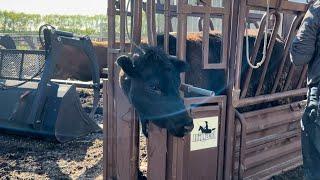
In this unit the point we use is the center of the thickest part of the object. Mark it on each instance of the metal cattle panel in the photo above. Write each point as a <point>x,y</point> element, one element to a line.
<point>268,140</point>
<point>277,6</point>
<point>204,147</point>
<point>196,156</point>
<point>271,141</point>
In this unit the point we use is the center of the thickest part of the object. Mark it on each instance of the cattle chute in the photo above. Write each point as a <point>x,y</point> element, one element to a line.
<point>33,105</point>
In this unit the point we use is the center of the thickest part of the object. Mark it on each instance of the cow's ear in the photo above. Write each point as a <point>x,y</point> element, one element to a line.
<point>180,65</point>
<point>126,65</point>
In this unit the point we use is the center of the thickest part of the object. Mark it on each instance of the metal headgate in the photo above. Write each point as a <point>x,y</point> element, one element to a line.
<point>169,157</point>
<point>265,142</point>
<point>245,139</point>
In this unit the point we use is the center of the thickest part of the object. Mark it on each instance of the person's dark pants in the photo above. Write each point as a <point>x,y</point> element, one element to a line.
<point>310,139</point>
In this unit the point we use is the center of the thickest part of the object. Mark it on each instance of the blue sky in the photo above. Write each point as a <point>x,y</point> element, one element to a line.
<point>83,7</point>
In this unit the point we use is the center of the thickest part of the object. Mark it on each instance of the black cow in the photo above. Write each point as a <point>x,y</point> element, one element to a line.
<point>215,79</point>
<point>151,82</point>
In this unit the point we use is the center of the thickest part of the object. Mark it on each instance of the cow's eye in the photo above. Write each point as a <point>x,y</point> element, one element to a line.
<point>155,88</point>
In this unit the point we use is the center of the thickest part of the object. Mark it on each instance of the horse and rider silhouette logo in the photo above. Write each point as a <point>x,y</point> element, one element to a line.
<point>206,129</point>
<point>205,133</point>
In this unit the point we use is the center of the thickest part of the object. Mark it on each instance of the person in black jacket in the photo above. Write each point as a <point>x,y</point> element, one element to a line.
<point>305,50</point>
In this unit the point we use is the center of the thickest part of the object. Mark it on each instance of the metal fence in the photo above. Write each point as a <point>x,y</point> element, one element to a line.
<point>249,142</point>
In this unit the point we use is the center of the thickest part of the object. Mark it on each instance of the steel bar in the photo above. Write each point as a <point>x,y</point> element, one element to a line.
<point>110,169</point>
<point>241,27</point>
<point>106,157</point>
<point>292,67</point>
<point>294,162</point>
<point>302,77</point>
<point>253,56</point>
<point>151,26</point>
<point>157,152</point>
<point>286,5</point>
<point>203,9</point>
<point>270,155</point>
<point>160,9</point>
<point>21,66</point>
<point>269,51</point>
<point>176,145</point>
<point>40,98</point>
<point>242,150</point>
<point>226,34</point>
<point>205,40</point>
<point>189,88</point>
<point>80,84</point>
<point>1,63</point>
<point>167,21</point>
<point>234,8</point>
<point>123,24</point>
<point>154,26</point>
<point>200,24</point>
<point>269,97</point>
<point>295,24</point>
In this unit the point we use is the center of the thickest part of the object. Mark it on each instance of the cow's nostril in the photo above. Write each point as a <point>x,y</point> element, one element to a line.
<point>189,128</point>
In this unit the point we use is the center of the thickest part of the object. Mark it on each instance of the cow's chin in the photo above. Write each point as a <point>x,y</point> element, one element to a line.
<point>181,127</point>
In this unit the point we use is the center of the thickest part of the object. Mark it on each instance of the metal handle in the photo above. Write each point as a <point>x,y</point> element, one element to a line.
<point>189,88</point>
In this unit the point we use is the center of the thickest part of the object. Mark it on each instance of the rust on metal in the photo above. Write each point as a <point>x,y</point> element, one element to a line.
<point>123,24</point>
<point>110,169</point>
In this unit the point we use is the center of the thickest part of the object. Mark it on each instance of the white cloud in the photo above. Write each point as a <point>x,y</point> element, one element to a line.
<point>84,7</point>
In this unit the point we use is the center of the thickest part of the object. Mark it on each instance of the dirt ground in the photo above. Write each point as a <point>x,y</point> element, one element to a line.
<point>27,158</point>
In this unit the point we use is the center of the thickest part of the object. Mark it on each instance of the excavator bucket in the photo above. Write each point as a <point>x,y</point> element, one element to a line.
<point>32,105</point>
<point>6,42</point>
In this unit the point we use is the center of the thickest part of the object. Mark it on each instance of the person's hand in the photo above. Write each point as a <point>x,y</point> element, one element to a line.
<point>311,112</point>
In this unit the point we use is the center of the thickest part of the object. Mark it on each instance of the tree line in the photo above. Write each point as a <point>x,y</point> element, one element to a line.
<point>97,25</point>
<point>22,23</point>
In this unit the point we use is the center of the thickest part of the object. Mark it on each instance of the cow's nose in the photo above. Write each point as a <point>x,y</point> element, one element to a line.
<point>189,126</point>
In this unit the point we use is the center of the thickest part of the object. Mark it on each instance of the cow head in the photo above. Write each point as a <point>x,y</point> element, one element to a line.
<point>151,82</point>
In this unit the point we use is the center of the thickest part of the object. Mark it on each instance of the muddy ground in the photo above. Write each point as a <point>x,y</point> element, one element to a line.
<point>27,158</point>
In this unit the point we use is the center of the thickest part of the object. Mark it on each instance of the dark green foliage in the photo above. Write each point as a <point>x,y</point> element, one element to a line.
<point>16,22</point>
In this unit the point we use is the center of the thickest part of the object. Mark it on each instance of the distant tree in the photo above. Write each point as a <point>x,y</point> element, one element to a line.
<point>16,22</point>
